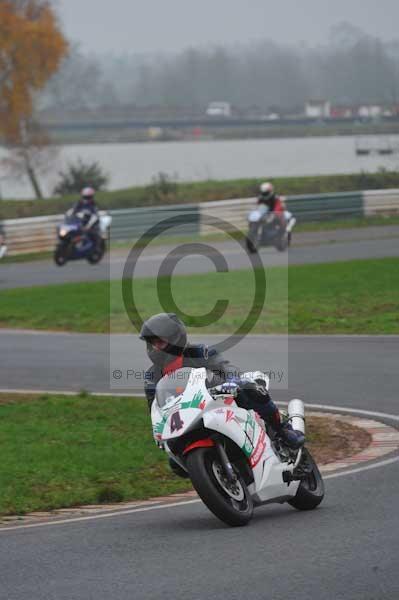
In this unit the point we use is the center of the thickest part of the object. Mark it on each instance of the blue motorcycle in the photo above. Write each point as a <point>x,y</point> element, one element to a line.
<point>74,243</point>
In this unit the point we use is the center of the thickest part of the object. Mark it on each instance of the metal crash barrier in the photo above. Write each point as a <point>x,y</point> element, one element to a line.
<point>37,234</point>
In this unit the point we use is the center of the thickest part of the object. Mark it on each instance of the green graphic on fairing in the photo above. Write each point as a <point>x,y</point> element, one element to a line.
<point>195,402</point>
<point>249,429</point>
<point>159,427</point>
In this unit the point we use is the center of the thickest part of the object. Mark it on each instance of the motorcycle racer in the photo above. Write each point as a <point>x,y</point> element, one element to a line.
<point>168,350</point>
<point>86,208</point>
<point>274,203</point>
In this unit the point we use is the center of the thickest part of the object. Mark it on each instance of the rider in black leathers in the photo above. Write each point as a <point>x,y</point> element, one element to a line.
<point>86,208</point>
<point>168,350</point>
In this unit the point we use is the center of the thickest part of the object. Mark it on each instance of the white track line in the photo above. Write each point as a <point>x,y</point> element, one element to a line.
<point>101,516</point>
<point>166,505</point>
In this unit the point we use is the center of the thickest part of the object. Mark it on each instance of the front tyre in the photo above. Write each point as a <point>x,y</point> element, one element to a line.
<point>253,238</point>
<point>311,489</point>
<point>60,255</point>
<point>231,503</point>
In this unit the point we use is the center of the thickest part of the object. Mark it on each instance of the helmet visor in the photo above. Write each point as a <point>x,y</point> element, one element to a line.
<point>157,343</point>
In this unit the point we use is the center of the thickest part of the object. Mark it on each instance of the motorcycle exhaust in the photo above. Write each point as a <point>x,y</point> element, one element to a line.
<point>296,415</point>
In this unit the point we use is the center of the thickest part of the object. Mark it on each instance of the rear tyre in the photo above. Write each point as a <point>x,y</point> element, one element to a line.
<point>60,255</point>
<point>231,503</point>
<point>311,489</point>
<point>283,242</point>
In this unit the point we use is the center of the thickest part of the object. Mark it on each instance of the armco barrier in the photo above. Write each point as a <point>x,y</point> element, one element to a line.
<point>316,207</point>
<point>383,202</point>
<point>132,223</point>
<point>38,234</point>
<point>320,207</point>
<point>233,212</point>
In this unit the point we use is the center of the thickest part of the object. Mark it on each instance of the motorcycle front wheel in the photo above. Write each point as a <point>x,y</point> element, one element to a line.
<point>253,238</point>
<point>311,489</point>
<point>60,255</point>
<point>230,502</point>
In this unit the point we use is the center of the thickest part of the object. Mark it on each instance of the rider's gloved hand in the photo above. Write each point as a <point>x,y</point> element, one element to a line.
<point>228,387</point>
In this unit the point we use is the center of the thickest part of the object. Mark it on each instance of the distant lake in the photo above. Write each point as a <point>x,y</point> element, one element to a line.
<point>136,164</point>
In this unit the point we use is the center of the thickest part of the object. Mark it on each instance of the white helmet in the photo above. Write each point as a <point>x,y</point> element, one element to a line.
<point>87,192</point>
<point>266,190</point>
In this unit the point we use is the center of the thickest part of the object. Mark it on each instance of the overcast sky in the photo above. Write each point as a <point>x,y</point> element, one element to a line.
<point>169,25</point>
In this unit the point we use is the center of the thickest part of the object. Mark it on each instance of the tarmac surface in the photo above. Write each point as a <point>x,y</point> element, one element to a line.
<point>347,549</point>
<point>308,248</point>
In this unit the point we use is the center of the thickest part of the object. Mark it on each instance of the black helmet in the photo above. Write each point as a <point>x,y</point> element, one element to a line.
<point>167,328</point>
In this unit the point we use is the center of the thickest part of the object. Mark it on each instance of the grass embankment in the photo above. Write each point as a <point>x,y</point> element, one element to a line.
<point>355,297</point>
<point>60,451</point>
<point>184,193</point>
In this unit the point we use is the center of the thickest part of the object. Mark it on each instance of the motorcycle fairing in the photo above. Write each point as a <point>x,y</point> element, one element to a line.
<point>243,427</point>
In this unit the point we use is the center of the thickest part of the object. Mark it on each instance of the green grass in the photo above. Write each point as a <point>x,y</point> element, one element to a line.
<point>63,451</point>
<point>355,223</point>
<point>203,191</point>
<point>346,297</point>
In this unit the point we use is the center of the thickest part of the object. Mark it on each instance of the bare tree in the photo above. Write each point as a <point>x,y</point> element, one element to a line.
<point>32,156</point>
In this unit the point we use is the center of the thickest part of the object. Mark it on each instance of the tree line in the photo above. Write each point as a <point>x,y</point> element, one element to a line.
<point>352,67</point>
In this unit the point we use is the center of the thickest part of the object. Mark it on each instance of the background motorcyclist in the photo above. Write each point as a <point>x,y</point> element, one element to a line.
<point>3,247</point>
<point>168,350</point>
<point>86,209</point>
<point>269,198</point>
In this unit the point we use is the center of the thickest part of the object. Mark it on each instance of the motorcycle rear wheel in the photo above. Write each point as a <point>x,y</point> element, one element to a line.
<point>231,503</point>
<point>283,242</point>
<point>311,489</point>
<point>96,255</point>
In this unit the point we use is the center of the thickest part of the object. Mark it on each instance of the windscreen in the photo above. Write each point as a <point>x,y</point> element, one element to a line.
<point>172,385</point>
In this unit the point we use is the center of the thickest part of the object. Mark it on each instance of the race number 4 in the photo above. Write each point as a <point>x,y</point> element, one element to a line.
<point>175,422</point>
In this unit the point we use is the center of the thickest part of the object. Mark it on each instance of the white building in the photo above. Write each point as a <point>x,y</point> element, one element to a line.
<point>219,109</point>
<point>317,109</point>
<point>371,111</point>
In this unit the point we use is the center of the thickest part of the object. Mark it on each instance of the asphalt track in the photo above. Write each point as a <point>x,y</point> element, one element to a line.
<point>316,247</point>
<point>345,550</point>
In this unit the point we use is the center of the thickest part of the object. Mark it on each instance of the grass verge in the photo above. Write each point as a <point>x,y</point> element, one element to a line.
<point>65,451</point>
<point>355,297</point>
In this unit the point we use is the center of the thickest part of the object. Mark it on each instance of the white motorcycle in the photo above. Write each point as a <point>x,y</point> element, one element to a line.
<point>234,463</point>
<point>265,229</point>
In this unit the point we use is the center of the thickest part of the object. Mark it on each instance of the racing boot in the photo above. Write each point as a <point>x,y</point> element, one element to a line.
<point>290,437</point>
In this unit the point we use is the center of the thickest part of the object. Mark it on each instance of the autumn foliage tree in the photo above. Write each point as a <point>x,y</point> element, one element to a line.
<point>31,49</point>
